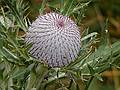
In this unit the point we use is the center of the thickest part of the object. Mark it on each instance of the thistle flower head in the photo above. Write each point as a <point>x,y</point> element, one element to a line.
<point>55,39</point>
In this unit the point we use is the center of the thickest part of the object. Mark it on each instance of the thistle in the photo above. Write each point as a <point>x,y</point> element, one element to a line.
<point>55,39</point>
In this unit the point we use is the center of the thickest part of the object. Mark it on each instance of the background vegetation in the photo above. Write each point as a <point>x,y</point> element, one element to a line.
<point>98,64</point>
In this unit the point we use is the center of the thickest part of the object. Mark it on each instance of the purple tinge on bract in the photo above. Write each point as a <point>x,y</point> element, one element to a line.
<point>55,39</point>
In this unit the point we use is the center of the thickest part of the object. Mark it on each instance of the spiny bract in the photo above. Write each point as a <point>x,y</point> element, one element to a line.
<point>55,39</point>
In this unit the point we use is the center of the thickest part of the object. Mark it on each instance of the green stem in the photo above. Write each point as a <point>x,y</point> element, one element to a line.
<point>88,83</point>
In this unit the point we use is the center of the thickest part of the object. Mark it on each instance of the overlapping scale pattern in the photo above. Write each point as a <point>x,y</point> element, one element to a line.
<point>55,39</point>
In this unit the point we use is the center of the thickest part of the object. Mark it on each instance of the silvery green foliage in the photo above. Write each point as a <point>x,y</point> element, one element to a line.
<point>6,22</point>
<point>55,39</point>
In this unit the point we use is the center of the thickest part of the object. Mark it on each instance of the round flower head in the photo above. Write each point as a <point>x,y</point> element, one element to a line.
<point>55,39</point>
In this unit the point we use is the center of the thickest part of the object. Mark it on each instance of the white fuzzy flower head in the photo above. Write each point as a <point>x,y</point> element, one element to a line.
<point>55,39</point>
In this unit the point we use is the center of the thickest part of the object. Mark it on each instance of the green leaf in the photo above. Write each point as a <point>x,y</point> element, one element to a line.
<point>20,72</point>
<point>99,77</point>
<point>67,6</point>
<point>42,8</point>
<point>89,36</point>
<point>31,81</point>
<point>7,53</point>
<point>92,71</point>
<point>16,13</point>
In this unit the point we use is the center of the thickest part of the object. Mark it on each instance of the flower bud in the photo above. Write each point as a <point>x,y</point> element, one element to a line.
<point>55,39</point>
